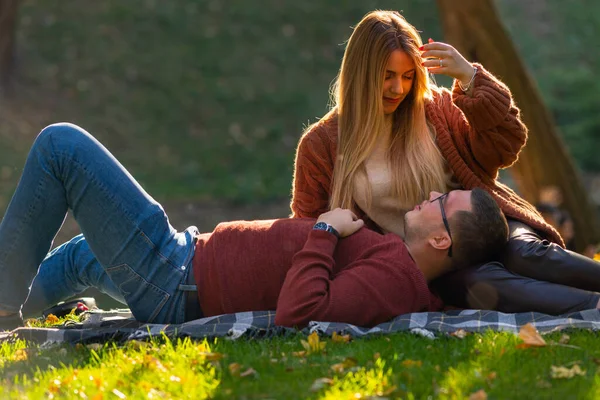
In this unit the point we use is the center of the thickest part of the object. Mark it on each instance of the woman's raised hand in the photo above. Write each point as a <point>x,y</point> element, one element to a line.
<point>441,58</point>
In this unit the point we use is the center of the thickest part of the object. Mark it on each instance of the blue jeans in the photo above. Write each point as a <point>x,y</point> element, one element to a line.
<point>127,248</point>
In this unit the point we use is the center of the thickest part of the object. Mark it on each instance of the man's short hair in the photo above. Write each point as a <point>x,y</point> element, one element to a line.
<point>478,235</point>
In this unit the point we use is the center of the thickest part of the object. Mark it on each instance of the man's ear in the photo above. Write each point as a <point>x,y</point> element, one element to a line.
<point>440,241</point>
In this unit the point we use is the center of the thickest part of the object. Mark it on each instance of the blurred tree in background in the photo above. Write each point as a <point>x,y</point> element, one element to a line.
<point>475,29</point>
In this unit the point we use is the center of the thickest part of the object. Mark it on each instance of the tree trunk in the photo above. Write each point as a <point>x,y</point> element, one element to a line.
<point>474,28</point>
<point>8,22</point>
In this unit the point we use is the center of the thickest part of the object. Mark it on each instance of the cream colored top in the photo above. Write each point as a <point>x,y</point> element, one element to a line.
<point>386,210</point>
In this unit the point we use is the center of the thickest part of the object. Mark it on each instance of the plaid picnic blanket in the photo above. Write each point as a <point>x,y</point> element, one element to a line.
<point>118,325</point>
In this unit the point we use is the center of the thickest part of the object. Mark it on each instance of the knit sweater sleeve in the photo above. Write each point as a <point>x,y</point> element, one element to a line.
<point>486,122</point>
<point>371,292</point>
<point>313,171</point>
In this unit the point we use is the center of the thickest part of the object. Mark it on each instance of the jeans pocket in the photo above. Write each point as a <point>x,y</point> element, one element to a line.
<point>144,299</point>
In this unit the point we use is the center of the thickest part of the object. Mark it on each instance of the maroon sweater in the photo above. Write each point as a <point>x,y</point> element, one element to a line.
<point>364,279</point>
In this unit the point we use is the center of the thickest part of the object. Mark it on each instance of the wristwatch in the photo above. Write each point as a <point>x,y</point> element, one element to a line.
<point>323,226</point>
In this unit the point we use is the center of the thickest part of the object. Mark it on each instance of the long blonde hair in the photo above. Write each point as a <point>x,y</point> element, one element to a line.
<point>417,165</point>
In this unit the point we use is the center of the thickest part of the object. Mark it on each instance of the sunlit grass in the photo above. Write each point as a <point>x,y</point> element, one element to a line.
<point>392,366</point>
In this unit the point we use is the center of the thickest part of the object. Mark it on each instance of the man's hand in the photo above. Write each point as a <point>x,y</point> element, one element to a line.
<point>344,221</point>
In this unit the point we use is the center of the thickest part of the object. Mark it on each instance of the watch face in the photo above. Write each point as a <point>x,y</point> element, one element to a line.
<point>321,226</point>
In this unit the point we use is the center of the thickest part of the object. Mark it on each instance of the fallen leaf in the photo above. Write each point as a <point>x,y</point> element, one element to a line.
<point>530,337</point>
<point>492,375</point>
<point>461,333</point>
<point>412,363</point>
<point>340,338</point>
<point>320,383</point>
<point>338,368</point>
<point>209,356</point>
<point>348,362</point>
<point>564,339</point>
<point>249,372</point>
<point>52,319</point>
<point>234,369</point>
<point>314,344</point>
<point>566,373</point>
<point>20,355</point>
<point>478,395</point>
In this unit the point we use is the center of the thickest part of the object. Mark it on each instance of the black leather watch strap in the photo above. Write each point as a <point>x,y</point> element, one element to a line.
<point>323,226</point>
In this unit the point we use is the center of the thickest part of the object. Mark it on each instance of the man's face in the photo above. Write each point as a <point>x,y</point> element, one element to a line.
<point>426,218</point>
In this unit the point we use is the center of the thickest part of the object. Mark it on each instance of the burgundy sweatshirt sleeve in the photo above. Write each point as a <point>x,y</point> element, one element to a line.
<point>489,122</point>
<point>369,293</point>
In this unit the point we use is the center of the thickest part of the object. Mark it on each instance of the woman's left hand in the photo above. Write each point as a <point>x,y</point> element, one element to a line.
<point>441,58</point>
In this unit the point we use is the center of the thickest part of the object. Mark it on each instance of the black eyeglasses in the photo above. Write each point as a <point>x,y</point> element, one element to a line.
<point>446,224</point>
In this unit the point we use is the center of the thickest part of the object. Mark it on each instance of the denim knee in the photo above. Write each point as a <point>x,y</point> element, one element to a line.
<point>54,136</point>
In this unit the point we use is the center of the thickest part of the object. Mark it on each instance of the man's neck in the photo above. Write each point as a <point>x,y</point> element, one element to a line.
<point>431,262</point>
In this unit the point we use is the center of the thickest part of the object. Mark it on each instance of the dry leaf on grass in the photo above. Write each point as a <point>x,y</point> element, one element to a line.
<point>566,373</point>
<point>234,369</point>
<point>530,337</point>
<point>249,372</point>
<point>52,319</point>
<point>340,338</point>
<point>320,383</point>
<point>349,362</point>
<point>210,356</point>
<point>564,339</point>
<point>461,333</point>
<point>314,344</point>
<point>478,395</point>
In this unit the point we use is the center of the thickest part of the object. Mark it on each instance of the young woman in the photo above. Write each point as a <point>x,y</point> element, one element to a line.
<point>392,136</point>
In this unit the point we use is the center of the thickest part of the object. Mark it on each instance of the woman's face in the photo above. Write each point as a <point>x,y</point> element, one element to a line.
<point>398,80</point>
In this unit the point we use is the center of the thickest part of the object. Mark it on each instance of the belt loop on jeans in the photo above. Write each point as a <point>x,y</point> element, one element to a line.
<point>192,303</point>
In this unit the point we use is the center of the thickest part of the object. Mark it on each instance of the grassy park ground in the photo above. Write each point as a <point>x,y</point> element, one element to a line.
<point>204,102</point>
<point>404,365</point>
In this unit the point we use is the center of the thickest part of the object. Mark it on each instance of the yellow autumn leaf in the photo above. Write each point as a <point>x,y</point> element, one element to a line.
<point>340,338</point>
<point>566,373</point>
<point>530,337</point>
<point>597,257</point>
<point>314,344</point>
<point>52,319</point>
<point>20,355</point>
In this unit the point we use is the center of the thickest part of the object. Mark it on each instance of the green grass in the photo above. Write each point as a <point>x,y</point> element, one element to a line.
<point>394,366</point>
